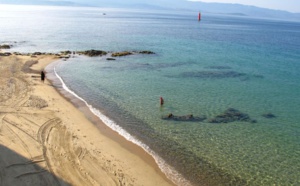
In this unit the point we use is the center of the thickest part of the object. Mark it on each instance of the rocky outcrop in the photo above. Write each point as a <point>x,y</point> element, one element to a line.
<point>5,54</point>
<point>119,54</point>
<point>92,53</point>
<point>5,46</point>
<point>17,53</point>
<point>37,53</point>
<point>126,53</point>
<point>66,54</point>
<point>146,52</point>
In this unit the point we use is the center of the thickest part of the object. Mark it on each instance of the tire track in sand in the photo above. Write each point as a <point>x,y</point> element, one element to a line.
<point>59,153</point>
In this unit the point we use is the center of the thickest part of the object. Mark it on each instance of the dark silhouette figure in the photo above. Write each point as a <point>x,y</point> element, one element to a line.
<point>161,101</point>
<point>43,76</point>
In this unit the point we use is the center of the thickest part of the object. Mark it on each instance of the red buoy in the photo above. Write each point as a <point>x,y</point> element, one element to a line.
<point>199,16</point>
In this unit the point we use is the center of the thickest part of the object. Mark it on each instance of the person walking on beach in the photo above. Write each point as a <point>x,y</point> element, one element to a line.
<point>42,76</point>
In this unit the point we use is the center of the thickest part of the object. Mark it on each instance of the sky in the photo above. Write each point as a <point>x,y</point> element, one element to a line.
<point>287,5</point>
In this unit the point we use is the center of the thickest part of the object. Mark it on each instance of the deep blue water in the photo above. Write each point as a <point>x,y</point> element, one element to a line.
<point>200,68</point>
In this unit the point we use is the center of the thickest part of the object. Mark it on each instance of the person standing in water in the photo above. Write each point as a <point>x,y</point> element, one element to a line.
<point>161,101</point>
<point>43,76</point>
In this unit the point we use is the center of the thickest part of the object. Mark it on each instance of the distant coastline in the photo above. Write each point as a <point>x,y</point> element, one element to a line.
<point>218,8</point>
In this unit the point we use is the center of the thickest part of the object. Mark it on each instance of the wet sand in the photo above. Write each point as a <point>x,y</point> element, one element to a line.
<point>46,140</point>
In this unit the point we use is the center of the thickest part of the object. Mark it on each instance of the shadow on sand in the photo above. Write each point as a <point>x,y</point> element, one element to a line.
<point>19,171</point>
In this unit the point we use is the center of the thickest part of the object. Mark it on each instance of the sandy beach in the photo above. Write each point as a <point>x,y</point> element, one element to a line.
<point>46,140</point>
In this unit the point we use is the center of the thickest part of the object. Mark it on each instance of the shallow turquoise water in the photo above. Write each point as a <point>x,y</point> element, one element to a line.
<point>239,148</point>
<point>199,68</point>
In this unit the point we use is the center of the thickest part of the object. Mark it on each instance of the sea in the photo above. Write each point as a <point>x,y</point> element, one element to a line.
<point>230,84</point>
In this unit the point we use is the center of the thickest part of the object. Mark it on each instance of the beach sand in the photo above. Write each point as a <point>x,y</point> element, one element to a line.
<point>46,140</point>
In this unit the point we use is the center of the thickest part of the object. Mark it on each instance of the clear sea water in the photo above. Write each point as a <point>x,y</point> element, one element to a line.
<point>200,68</point>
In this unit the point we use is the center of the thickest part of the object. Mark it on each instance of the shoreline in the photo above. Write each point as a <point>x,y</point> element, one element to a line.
<point>106,130</point>
<point>122,161</point>
<point>115,132</point>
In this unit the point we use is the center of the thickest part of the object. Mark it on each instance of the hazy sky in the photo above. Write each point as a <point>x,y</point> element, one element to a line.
<point>288,5</point>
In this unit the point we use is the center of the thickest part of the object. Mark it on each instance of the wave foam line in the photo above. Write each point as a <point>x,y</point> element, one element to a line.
<point>168,170</point>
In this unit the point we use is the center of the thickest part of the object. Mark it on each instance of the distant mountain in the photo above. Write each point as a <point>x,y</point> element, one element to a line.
<point>252,11</point>
<point>222,8</point>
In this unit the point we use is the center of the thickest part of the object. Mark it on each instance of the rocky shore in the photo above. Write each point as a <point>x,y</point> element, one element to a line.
<point>67,54</point>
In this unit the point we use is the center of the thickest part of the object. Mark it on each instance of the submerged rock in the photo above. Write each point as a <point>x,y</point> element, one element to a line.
<point>110,59</point>
<point>231,115</point>
<point>127,53</point>
<point>213,74</point>
<point>189,117</point>
<point>146,52</point>
<point>219,67</point>
<point>269,115</point>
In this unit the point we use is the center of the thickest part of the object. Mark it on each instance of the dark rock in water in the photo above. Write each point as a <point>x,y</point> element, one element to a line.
<point>37,53</point>
<point>68,52</point>
<point>231,115</point>
<point>258,76</point>
<point>253,121</point>
<point>92,53</point>
<point>120,54</point>
<point>64,57</point>
<point>146,52</point>
<point>269,115</point>
<point>110,59</point>
<point>189,118</point>
<point>5,46</point>
<point>213,74</point>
